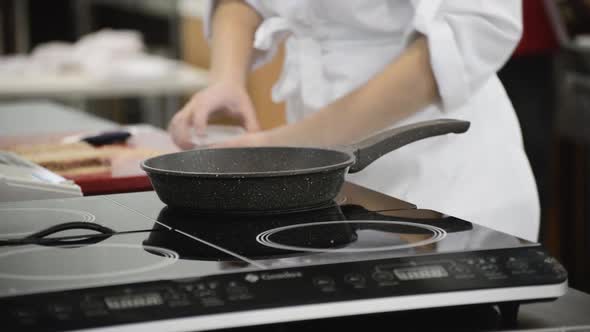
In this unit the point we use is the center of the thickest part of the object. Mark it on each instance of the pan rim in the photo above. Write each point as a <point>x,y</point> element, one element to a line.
<point>220,175</point>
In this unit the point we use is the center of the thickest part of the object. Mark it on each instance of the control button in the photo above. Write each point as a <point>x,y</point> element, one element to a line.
<point>237,291</point>
<point>236,287</point>
<point>206,289</point>
<point>234,284</point>
<point>60,311</point>
<point>204,293</point>
<point>90,305</point>
<point>355,279</point>
<point>324,282</point>
<point>179,303</point>
<point>382,276</point>
<point>176,298</point>
<point>93,308</point>
<point>212,302</point>
<point>517,265</point>
<point>25,316</point>
<point>60,308</point>
<point>489,268</point>
<point>172,295</point>
<point>252,278</point>
<point>552,266</point>
<point>459,269</point>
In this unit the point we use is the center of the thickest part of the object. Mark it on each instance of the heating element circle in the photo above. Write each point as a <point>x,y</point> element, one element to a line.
<point>31,220</point>
<point>74,270</point>
<point>436,234</point>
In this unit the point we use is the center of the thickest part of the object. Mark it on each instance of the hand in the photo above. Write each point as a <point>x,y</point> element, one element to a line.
<point>219,97</point>
<point>286,135</point>
<point>246,140</point>
<point>281,136</point>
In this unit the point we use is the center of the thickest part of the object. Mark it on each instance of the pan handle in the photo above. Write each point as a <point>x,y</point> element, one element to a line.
<point>374,147</point>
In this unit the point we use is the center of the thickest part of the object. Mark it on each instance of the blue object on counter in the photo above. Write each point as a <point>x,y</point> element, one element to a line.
<point>106,138</point>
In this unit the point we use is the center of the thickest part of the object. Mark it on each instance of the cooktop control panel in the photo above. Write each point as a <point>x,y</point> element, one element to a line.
<point>258,289</point>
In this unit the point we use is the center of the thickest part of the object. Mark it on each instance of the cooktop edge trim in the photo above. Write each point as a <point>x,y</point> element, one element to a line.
<point>342,309</point>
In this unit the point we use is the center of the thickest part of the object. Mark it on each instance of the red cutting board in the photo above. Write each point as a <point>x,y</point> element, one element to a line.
<point>126,174</point>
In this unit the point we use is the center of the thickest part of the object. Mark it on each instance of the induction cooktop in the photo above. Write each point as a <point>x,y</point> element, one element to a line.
<point>130,263</point>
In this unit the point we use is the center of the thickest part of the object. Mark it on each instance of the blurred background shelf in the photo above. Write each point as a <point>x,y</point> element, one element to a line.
<point>185,80</point>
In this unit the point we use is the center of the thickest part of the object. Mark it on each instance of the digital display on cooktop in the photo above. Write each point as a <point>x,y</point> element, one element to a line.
<point>421,272</point>
<point>133,301</point>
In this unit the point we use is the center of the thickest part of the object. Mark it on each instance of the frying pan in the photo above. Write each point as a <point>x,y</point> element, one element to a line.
<point>266,179</point>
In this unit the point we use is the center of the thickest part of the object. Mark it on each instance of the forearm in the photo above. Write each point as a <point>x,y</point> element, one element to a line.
<point>233,26</point>
<point>404,87</point>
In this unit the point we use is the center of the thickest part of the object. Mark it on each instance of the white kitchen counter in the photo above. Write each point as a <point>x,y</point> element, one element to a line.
<point>161,97</point>
<point>185,81</point>
<point>41,117</point>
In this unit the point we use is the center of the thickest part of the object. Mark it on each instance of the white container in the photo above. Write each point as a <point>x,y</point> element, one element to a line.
<point>21,180</point>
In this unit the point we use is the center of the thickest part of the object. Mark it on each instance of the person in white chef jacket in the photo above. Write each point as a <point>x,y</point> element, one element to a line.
<point>354,68</point>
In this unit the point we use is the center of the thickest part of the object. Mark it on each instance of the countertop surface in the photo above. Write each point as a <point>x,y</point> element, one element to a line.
<point>46,122</point>
<point>44,117</point>
<point>573,309</point>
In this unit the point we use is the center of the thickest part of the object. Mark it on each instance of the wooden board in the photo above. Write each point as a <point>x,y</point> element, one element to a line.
<point>125,174</point>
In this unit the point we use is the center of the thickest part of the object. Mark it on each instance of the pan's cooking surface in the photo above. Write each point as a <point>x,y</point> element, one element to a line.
<point>250,161</point>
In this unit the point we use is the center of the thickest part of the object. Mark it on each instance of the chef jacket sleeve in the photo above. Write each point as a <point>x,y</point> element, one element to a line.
<point>259,57</point>
<point>469,41</point>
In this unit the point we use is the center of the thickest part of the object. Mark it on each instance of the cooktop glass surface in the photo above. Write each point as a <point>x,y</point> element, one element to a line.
<point>135,237</point>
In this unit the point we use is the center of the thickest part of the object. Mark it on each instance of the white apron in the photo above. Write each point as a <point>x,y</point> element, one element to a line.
<point>335,46</point>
